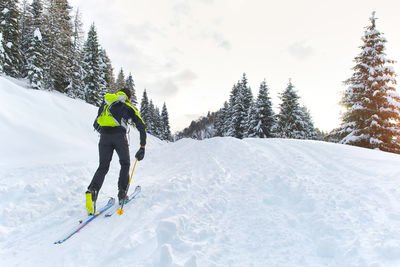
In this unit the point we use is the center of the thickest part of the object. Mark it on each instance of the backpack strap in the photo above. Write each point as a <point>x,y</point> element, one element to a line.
<point>106,117</point>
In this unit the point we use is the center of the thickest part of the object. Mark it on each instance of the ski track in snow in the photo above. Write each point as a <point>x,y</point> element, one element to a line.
<point>216,202</point>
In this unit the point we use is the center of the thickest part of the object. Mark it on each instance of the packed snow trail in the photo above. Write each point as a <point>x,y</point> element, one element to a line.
<point>217,202</point>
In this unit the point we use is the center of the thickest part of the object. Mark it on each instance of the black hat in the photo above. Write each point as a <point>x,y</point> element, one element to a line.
<point>127,92</point>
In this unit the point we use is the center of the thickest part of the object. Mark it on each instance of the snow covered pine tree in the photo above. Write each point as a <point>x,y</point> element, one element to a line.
<point>93,78</point>
<point>372,105</point>
<point>292,122</point>
<point>11,58</point>
<point>262,116</point>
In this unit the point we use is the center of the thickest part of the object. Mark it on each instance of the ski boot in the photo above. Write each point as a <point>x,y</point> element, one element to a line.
<point>122,197</point>
<point>91,197</point>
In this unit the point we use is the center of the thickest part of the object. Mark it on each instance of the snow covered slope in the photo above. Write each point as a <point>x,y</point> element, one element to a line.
<point>217,202</point>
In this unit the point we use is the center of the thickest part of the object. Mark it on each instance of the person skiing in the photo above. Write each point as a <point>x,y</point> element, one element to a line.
<point>112,121</point>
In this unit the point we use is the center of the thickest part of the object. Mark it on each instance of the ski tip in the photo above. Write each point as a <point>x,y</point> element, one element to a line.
<point>138,188</point>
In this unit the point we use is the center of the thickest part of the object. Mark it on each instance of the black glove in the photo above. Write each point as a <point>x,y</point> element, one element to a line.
<point>140,154</point>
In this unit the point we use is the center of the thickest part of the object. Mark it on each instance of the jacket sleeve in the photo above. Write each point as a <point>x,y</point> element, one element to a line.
<point>140,125</point>
<point>96,125</point>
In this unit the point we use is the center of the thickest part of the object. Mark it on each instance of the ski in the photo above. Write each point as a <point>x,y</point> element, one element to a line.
<point>84,223</point>
<point>131,197</point>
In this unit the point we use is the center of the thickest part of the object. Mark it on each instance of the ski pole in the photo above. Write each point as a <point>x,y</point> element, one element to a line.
<point>120,211</point>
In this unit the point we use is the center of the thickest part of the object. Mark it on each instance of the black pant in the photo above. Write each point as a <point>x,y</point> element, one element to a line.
<point>109,142</point>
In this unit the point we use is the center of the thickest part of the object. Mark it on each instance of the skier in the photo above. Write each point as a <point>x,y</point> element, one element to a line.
<point>112,119</point>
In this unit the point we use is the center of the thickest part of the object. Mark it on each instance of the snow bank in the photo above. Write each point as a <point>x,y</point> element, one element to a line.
<point>216,202</point>
<point>39,126</point>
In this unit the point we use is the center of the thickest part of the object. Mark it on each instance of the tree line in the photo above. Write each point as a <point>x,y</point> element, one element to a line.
<point>157,123</point>
<point>43,42</point>
<point>243,116</point>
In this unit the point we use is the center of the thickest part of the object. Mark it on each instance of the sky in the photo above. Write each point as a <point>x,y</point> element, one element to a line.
<point>189,54</point>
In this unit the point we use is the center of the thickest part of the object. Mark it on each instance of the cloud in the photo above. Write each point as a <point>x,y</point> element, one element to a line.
<point>170,65</point>
<point>161,89</point>
<point>300,50</point>
<point>207,1</point>
<point>133,58</point>
<point>225,44</point>
<point>221,41</point>
<point>186,76</point>
<point>167,88</point>
<point>142,31</point>
<point>171,85</point>
<point>192,117</point>
<point>180,10</point>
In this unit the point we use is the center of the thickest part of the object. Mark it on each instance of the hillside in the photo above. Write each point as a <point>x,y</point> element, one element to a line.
<point>216,202</point>
<point>200,129</point>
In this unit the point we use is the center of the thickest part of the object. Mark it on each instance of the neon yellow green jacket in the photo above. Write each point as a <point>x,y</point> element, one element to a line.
<point>116,113</point>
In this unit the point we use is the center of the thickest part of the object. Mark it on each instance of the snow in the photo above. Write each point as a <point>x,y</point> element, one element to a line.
<point>37,34</point>
<point>216,202</point>
<point>371,33</point>
<point>375,141</point>
<point>391,98</point>
<point>357,106</point>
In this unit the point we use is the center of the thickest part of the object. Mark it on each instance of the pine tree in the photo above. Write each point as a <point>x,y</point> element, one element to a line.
<point>166,132</point>
<point>231,116</point>
<point>120,83</point>
<point>157,127</point>
<point>92,77</point>
<point>76,88</point>
<point>36,50</point>
<point>37,16</point>
<point>263,117</point>
<point>248,103</point>
<point>58,32</point>
<point>251,131</point>
<point>225,119</point>
<point>10,30</point>
<point>290,120</point>
<point>109,72</point>
<point>372,105</point>
<point>153,122</point>
<point>103,59</point>
<point>145,108</point>
<point>241,101</point>
<point>2,24</point>
<point>78,33</point>
<point>222,121</point>
<point>35,62</point>
<point>310,131</point>
<point>130,84</point>
<point>26,35</point>
<point>150,119</point>
<point>1,52</point>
